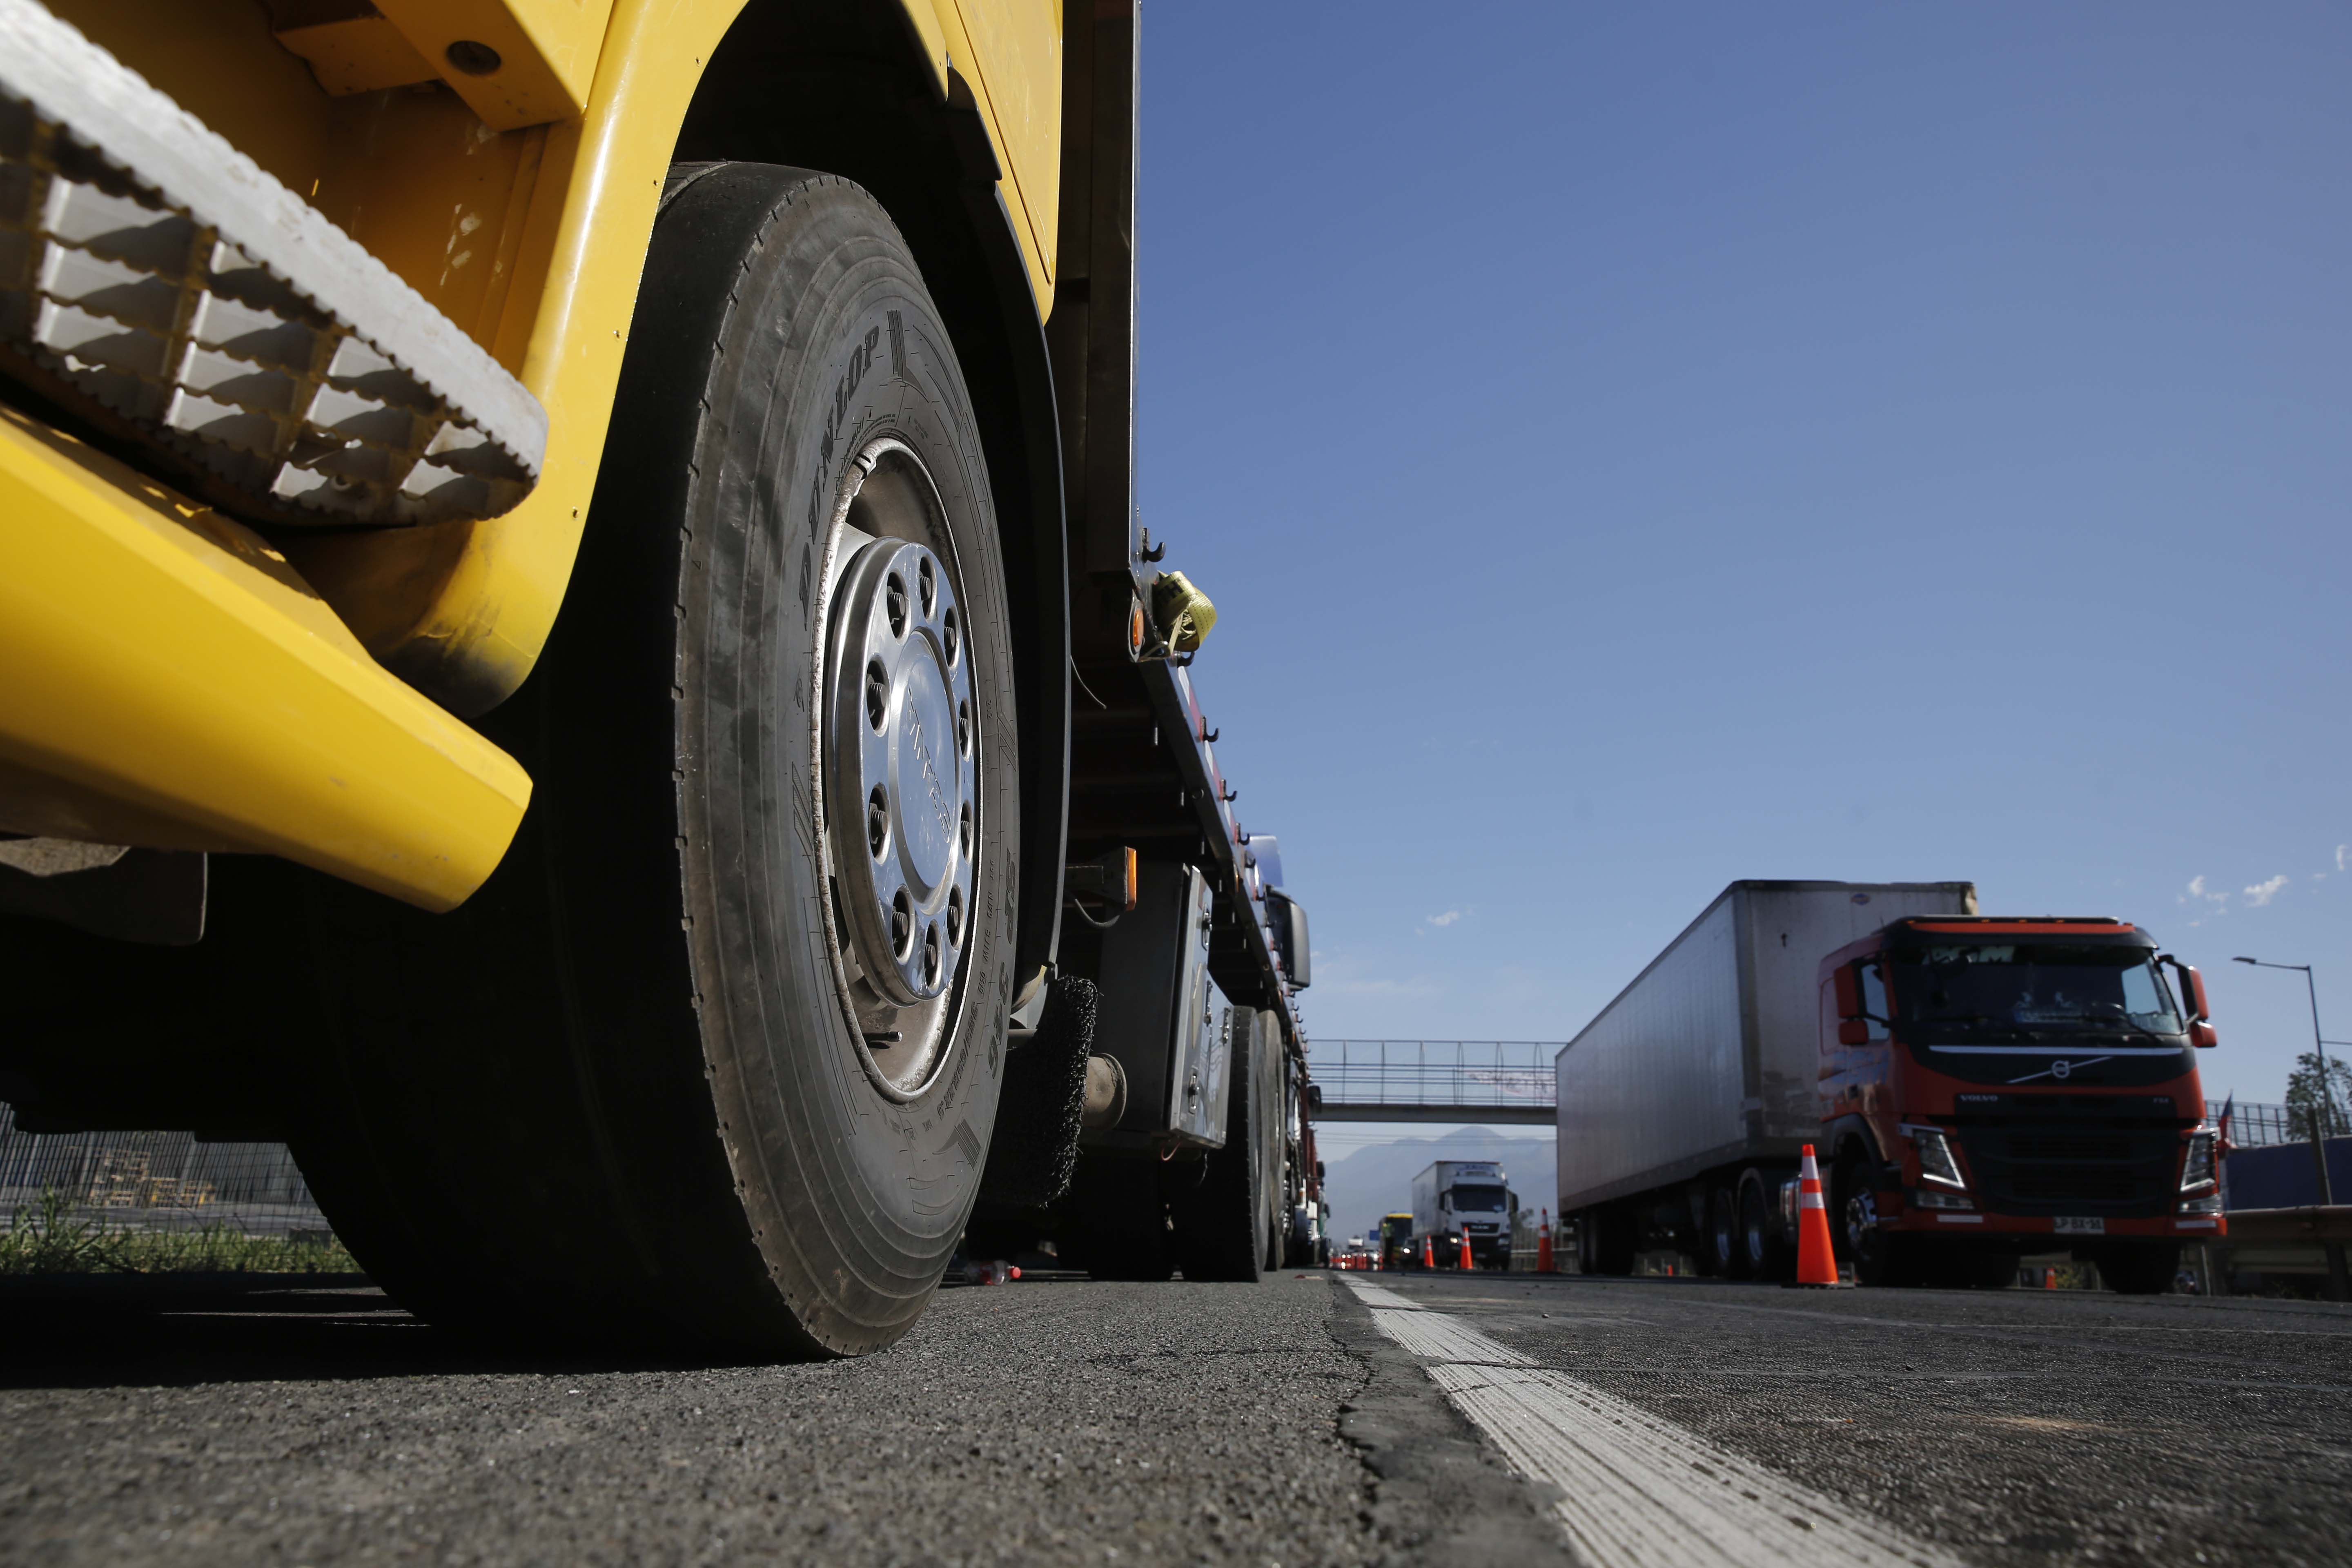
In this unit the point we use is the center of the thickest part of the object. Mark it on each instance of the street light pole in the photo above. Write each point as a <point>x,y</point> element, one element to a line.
<point>2339,1278</point>
<point>2326,1088</point>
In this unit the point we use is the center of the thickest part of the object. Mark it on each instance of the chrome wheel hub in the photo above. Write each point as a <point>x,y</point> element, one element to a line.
<point>897,741</point>
<point>902,756</point>
<point>1861,1220</point>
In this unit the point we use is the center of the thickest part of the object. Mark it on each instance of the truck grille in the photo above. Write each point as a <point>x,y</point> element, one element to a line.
<point>2063,1185</point>
<point>2053,1171</point>
<point>2069,1146</point>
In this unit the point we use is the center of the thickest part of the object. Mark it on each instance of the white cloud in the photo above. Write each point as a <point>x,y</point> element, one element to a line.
<point>2261,893</point>
<point>1447,918</point>
<point>2340,851</point>
<point>2196,890</point>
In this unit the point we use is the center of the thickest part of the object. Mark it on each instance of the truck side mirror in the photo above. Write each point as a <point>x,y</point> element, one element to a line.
<point>2192,996</point>
<point>1853,1032</point>
<point>2199,1009</point>
<point>1849,998</point>
<point>1289,923</point>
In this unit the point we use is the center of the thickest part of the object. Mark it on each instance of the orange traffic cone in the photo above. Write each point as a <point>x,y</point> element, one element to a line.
<point>1428,1256</point>
<point>1816,1261</point>
<point>1543,1242</point>
<point>1466,1264</point>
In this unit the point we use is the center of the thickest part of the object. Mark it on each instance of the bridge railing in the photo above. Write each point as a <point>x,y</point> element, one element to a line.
<point>1468,1073</point>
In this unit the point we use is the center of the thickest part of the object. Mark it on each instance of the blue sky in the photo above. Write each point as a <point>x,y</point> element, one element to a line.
<point>1632,450</point>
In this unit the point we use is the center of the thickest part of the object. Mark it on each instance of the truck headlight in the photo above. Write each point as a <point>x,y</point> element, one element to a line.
<point>1930,1198</point>
<point>1936,1162</point>
<point>2197,1168</point>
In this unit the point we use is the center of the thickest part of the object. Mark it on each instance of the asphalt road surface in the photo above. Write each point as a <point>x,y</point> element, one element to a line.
<point>1444,1420</point>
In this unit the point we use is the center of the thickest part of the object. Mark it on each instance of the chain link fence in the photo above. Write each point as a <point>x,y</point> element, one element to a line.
<point>156,1182</point>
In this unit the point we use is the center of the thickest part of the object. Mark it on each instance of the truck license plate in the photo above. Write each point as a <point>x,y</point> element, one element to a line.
<point>2065,1225</point>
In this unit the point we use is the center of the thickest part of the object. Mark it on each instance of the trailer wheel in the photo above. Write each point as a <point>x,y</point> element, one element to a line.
<point>714,1057</point>
<point>1726,1247</point>
<point>1271,1066</point>
<point>1761,1251</point>
<point>1220,1221</point>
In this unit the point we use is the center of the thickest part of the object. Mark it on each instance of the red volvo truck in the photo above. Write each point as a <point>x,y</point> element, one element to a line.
<point>1993,1087</point>
<point>1979,1088</point>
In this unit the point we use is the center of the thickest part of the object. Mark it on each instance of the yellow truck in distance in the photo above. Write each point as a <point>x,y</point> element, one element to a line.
<point>550,546</point>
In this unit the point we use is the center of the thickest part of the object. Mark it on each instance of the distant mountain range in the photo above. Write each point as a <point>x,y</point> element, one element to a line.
<point>1377,1178</point>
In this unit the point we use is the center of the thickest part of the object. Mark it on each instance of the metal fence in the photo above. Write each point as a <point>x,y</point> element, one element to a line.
<point>156,1180</point>
<point>1470,1074</point>
<point>2258,1126</point>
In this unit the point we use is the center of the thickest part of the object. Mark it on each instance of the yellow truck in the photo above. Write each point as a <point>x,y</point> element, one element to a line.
<point>571,625</point>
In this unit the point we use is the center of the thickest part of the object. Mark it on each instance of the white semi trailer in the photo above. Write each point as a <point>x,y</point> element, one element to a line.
<point>1685,1104</point>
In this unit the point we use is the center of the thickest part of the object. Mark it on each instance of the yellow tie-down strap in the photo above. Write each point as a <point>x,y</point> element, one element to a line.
<point>166,679</point>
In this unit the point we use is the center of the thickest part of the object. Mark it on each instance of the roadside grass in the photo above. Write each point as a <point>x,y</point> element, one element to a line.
<point>55,1240</point>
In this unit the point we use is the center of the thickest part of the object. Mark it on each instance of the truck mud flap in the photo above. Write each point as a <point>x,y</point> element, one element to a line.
<point>1034,1147</point>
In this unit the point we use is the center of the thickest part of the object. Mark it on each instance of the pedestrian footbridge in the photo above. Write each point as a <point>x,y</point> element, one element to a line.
<point>1501,1081</point>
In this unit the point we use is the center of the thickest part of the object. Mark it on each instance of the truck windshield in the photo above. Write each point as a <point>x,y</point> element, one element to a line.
<point>1477,1200</point>
<point>2034,985</point>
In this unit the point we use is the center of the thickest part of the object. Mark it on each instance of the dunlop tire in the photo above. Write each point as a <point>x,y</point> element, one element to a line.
<point>614,1099</point>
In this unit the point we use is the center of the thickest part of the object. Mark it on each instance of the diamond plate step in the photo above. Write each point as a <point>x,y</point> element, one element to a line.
<point>156,282</point>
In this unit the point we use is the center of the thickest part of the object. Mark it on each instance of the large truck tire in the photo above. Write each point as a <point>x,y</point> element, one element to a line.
<point>1727,1248</point>
<point>1766,1256</point>
<point>674,1076</point>
<point>2143,1269</point>
<point>1218,1218</point>
<point>1269,1066</point>
<point>1878,1257</point>
<point>1299,1238</point>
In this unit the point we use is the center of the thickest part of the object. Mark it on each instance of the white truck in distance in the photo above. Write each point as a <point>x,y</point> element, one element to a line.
<point>1453,1198</point>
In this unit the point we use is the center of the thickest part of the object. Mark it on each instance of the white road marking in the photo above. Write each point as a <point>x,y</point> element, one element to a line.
<point>1437,1338</point>
<point>1636,1491</point>
<point>1381,1296</point>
